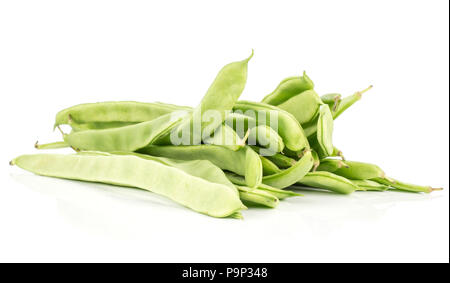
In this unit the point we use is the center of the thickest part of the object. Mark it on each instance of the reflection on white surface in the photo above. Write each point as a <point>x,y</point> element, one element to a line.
<point>123,213</point>
<point>47,219</point>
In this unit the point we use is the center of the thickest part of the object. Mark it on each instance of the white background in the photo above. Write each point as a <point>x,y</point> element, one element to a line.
<point>54,54</point>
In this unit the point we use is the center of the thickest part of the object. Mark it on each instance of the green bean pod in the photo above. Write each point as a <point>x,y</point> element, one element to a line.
<point>289,128</point>
<point>369,185</point>
<point>331,165</point>
<point>244,161</point>
<point>128,138</point>
<point>329,181</point>
<point>279,193</point>
<point>341,106</point>
<point>253,196</point>
<point>267,138</point>
<point>214,199</point>
<point>304,106</point>
<point>226,136</point>
<point>103,115</point>
<point>291,175</point>
<point>325,130</point>
<point>357,170</point>
<point>348,101</point>
<point>333,100</point>
<point>281,160</point>
<point>288,88</point>
<point>240,123</point>
<point>218,101</point>
<point>405,186</point>
<point>269,168</point>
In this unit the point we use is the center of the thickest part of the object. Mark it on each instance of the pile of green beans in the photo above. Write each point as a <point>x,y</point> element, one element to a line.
<point>220,157</point>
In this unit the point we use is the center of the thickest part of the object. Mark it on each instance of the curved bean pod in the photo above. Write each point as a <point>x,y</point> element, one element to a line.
<point>325,130</point>
<point>103,115</point>
<point>128,138</point>
<point>348,101</point>
<point>244,161</point>
<point>289,128</point>
<point>206,197</point>
<point>288,88</point>
<point>368,185</point>
<point>217,102</point>
<point>251,197</point>
<point>280,194</point>
<point>304,106</point>
<point>269,168</point>
<point>281,160</point>
<point>358,170</point>
<point>291,175</point>
<point>331,165</point>
<point>405,186</point>
<point>329,181</point>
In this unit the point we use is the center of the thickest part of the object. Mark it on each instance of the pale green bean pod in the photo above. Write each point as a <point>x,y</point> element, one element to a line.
<point>289,128</point>
<point>369,185</point>
<point>405,186</point>
<point>244,161</point>
<point>128,138</point>
<point>288,88</point>
<point>304,106</point>
<point>291,175</point>
<point>279,193</point>
<point>103,115</point>
<point>328,181</point>
<point>218,199</point>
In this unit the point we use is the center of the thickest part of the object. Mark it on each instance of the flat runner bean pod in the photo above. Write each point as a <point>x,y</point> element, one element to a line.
<point>325,130</point>
<point>252,196</point>
<point>358,170</point>
<point>329,181</point>
<point>289,128</point>
<point>203,196</point>
<point>288,88</point>
<point>128,138</point>
<point>405,186</point>
<point>291,175</point>
<point>244,161</point>
<point>218,100</point>
<point>368,185</point>
<point>103,115</point>
<point>279,193</point>
<point>269,168</point>
<point>303,106</point>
